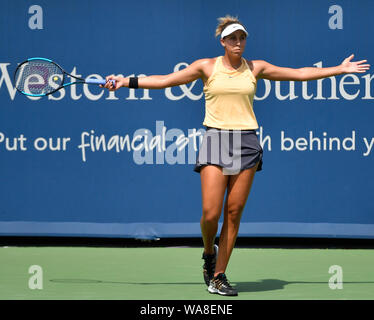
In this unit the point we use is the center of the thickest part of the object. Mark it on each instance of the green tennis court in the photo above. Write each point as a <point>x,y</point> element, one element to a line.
<point>175,273</point>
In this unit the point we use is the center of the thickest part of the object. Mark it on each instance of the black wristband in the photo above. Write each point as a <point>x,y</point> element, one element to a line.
<point>133,83</point>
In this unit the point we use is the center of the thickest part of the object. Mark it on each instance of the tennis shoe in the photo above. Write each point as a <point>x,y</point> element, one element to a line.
<point>222,286</point>
<point>209,265</point>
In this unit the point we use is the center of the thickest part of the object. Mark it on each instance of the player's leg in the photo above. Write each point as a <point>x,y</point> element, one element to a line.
<point>239,187</point>
<point>213,187</point>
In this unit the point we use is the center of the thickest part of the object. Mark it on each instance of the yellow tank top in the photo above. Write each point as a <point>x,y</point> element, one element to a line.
<point>229,97</point>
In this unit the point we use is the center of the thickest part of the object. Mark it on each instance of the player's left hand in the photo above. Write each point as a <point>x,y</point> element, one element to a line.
<point>354,66</point>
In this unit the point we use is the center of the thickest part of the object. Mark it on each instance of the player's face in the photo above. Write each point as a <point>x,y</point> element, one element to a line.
<point>235,42</point>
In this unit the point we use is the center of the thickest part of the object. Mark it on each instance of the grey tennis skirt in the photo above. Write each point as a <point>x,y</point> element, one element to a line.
<point>233,150</point>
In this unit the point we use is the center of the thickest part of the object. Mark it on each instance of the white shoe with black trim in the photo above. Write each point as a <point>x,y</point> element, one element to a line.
<point>222,286</point>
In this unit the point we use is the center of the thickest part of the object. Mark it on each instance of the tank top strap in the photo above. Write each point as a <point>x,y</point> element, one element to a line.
<point>217,65</point>
<point>216,69</point>
<point>249,70</point>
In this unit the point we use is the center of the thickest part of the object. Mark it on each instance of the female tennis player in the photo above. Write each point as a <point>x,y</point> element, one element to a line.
<point>230,153</point>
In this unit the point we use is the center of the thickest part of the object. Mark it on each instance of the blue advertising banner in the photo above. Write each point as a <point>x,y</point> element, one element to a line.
<point>88,162</point>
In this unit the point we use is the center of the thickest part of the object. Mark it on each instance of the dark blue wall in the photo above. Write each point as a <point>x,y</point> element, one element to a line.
<point>301,192</point>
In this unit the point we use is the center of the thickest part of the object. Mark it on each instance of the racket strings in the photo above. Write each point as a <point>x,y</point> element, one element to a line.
<point>38,77</point>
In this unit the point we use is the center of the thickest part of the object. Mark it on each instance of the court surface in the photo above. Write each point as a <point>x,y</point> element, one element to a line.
<point>175,273</point>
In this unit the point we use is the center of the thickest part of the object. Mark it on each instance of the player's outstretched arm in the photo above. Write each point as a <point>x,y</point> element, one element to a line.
<point>188,74</point>
<point>271,72</point>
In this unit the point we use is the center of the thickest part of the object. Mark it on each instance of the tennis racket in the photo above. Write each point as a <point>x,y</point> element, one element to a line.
<point>38,77</point>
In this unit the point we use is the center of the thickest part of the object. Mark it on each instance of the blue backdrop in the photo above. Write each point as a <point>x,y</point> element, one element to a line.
<point>86,162</point>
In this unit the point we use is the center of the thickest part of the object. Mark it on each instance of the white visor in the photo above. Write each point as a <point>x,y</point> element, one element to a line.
<point>232,28</point>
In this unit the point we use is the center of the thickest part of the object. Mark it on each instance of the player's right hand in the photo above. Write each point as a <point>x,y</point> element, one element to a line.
<point>114,82</point>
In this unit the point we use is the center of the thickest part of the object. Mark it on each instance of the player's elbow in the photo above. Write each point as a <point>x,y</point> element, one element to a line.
<point>161,82</point>
<point>307,74</point>
<point>300,74</point>
<point>168,81</point>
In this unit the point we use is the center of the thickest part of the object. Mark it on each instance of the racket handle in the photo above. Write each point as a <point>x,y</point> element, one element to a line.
<point>98,81</point>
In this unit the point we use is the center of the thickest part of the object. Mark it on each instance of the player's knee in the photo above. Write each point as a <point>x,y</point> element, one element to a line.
<point>210,216</point>
<point>234,212</point>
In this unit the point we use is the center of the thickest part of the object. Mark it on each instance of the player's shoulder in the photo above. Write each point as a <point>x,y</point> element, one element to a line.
<point>255,63</point>
<point>205,61</point>
<point>204,65</point>
<point>257,66</point>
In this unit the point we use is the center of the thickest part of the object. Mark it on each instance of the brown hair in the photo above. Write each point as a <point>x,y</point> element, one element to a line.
<point>224,22</point>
